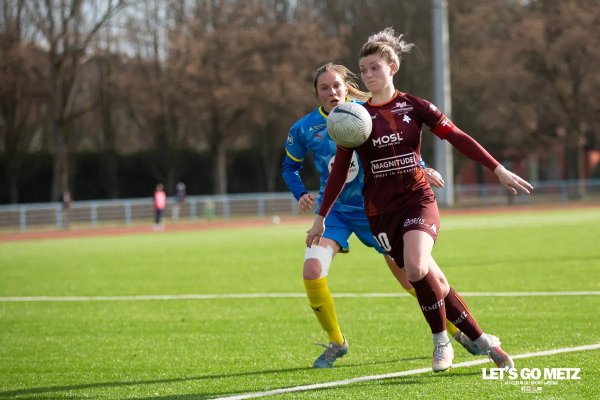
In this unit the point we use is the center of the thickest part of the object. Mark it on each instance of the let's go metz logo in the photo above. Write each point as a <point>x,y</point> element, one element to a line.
<point>554,374</point>
<point>531,380</point>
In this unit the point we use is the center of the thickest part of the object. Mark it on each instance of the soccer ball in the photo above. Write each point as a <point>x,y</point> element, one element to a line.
<point>349,125</point>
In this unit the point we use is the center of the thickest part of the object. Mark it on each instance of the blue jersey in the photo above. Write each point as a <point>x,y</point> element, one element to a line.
<point>309,135</point>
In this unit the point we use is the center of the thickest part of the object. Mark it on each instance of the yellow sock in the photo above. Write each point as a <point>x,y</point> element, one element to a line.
<point>450,328</point>
<point>321,302</point>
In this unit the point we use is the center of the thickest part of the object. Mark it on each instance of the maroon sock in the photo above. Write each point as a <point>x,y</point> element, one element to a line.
<point>458,313</point>
<point>431,299</point>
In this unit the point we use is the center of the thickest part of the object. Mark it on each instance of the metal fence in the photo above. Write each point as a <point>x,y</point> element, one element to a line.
<point>135,211</point>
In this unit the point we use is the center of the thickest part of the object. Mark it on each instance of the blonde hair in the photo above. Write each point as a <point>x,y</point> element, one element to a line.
<point>387,45</point>
<point>348,77</point>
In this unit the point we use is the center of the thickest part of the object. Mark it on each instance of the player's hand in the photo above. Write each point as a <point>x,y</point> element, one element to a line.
<point>314,234</point>
<point>513,182</point>
<point>434,178</point>
<point>306,202</point>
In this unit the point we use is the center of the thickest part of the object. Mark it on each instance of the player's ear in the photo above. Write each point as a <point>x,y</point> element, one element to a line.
<point>393,68</point>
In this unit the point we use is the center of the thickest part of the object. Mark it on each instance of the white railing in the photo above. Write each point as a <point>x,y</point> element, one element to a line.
<point>135,211</point>
<point>131,211</point>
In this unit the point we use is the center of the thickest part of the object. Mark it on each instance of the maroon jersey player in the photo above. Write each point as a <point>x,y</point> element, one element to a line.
<point>401,207</point>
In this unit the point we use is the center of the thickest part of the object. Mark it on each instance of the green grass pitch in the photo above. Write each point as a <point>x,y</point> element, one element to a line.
<point>206,348</point>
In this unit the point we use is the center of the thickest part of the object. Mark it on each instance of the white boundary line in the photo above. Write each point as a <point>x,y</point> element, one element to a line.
<point>367,378</point>
<point>272,295</point>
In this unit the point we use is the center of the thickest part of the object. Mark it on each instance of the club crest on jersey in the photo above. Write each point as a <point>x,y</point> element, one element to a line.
<point>402,108</point>
<point>290,139</point>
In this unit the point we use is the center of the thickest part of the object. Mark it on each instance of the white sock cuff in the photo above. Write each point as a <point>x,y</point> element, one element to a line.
<point>483,342</point>
<point>440,338</point>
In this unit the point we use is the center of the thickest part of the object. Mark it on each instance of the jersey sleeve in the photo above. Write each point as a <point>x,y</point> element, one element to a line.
<point>471,148</point>
<point>336,180</point>
<point>295,151</point>
<point>290,170</point>
<point>430,115</point>
<point>442,127</point>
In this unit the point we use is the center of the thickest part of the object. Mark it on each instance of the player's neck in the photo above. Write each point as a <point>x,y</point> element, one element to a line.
<point>384,95</point>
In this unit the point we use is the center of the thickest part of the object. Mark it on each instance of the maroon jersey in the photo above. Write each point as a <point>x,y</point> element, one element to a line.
<point>393,178</point>
<point>390,157</point>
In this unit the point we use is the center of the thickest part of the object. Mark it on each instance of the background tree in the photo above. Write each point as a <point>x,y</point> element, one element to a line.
<point>154,87</point>
<point>486,76</point>
<point>66,28</point>
<point>243,76</point>
<point>563,76</point>
<point>293,43</point>
<point>524,80</point>
<point>21,87</point>
<point>109,99</point>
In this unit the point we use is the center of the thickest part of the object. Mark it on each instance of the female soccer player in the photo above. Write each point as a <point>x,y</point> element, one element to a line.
<point>400,205</point>
<point>333,84</point>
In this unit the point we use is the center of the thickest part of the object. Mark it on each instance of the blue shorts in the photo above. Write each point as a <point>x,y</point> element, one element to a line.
<point>339,225</point>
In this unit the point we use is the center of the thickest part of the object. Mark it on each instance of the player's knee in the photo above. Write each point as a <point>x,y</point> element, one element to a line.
<point>416,271</point>
<point>416,267</point>
<point>312,269</point>
<point>317,260</point>
<point>416,275</point>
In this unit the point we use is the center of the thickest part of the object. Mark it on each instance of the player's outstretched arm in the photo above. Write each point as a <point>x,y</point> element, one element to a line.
<point>472,149</point>
<point>513,182</point>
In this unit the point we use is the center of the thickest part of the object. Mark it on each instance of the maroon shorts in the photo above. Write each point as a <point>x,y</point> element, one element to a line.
<point>389,229</point>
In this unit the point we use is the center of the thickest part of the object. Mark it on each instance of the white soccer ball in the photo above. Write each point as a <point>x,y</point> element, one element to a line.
<point>349,125</point>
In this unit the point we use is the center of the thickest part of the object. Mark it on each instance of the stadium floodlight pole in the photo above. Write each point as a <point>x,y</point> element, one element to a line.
<point>442,150</point>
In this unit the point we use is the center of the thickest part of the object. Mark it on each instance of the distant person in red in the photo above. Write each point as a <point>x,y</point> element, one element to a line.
<point>160,202</point>
<point>400,205</point>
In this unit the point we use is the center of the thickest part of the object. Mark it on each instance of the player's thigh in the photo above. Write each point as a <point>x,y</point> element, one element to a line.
<point>417,249</point>
<point>326,242</point>
<point>386,231</point>
<point>390,229</point>
<point>420,228</point>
